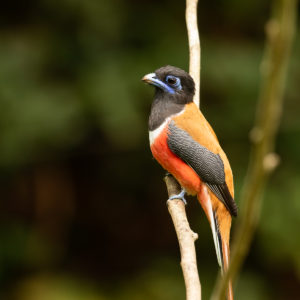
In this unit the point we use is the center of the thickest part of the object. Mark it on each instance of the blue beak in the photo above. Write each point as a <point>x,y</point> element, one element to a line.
<point>153,80</point>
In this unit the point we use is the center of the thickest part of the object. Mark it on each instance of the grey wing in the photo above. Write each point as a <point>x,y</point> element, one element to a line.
<point>208,165</point>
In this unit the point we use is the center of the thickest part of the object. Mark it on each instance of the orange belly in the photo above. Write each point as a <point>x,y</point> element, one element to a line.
<point>184,174</point>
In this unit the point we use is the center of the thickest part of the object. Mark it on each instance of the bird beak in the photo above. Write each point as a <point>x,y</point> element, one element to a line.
<point>150,79</point>
<point>153,80</point>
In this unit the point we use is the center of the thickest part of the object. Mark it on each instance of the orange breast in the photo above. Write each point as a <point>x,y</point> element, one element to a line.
<point>184,174</point>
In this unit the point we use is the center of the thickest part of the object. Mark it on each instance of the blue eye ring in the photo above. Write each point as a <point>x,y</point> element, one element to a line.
<point>173,81</point>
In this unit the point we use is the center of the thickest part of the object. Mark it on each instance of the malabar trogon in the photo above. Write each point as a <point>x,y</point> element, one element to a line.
<point>184,143</point>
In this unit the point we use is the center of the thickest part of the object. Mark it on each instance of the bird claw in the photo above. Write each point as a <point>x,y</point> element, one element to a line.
<point>179,196</point>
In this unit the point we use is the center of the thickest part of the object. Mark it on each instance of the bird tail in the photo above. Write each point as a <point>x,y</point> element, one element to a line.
<point>220,223</point>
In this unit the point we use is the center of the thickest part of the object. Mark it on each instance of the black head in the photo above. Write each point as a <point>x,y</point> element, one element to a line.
<point>174,88</point>
<point>173,83</point>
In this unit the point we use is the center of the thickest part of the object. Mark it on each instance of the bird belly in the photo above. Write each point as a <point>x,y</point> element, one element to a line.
<point>184,174</point>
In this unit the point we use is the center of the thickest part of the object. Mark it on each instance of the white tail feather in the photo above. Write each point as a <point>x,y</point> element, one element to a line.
<point>215,230</point>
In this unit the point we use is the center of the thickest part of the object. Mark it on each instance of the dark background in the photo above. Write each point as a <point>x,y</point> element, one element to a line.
<point>83,204</point>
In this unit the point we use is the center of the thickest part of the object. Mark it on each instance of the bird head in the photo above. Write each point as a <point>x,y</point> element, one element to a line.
<point>173,83</point>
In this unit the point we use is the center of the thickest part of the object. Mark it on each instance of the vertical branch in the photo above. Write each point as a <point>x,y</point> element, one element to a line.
<point>280,31</point>
<point>186,237</point>
<point>194,45</point>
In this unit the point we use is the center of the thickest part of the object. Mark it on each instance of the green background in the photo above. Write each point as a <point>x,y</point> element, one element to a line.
<point>82,210</point>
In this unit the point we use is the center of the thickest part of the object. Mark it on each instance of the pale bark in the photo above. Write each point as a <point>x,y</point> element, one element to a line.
<point>186,237</point>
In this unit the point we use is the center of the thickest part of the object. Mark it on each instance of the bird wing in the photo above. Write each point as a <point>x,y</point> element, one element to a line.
<point>208,165</point>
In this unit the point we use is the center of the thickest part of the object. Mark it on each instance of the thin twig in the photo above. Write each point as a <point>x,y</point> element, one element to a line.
<point>194,45</point>
<point>186,237</point>
<point>280,31</point>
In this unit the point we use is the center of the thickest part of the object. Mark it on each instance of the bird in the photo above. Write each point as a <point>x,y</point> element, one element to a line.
<point>185,145</point>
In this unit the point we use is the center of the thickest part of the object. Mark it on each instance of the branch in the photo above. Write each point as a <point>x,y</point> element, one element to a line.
<point>194,45</point>
<point>280,31</point>
<point>186,237</point>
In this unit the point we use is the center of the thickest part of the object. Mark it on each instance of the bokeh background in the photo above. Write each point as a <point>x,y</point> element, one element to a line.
<point>82,210</point>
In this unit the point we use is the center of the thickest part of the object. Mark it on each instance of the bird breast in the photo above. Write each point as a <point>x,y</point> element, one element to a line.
<point>184,174</point>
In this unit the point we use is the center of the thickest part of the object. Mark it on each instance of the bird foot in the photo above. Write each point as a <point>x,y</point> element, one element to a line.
<point>179,196</point>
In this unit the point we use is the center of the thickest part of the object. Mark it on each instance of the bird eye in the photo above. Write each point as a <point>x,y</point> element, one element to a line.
<point>172,80</point>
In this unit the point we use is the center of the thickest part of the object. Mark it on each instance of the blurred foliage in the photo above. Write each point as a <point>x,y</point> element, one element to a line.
<point>82,202</point>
